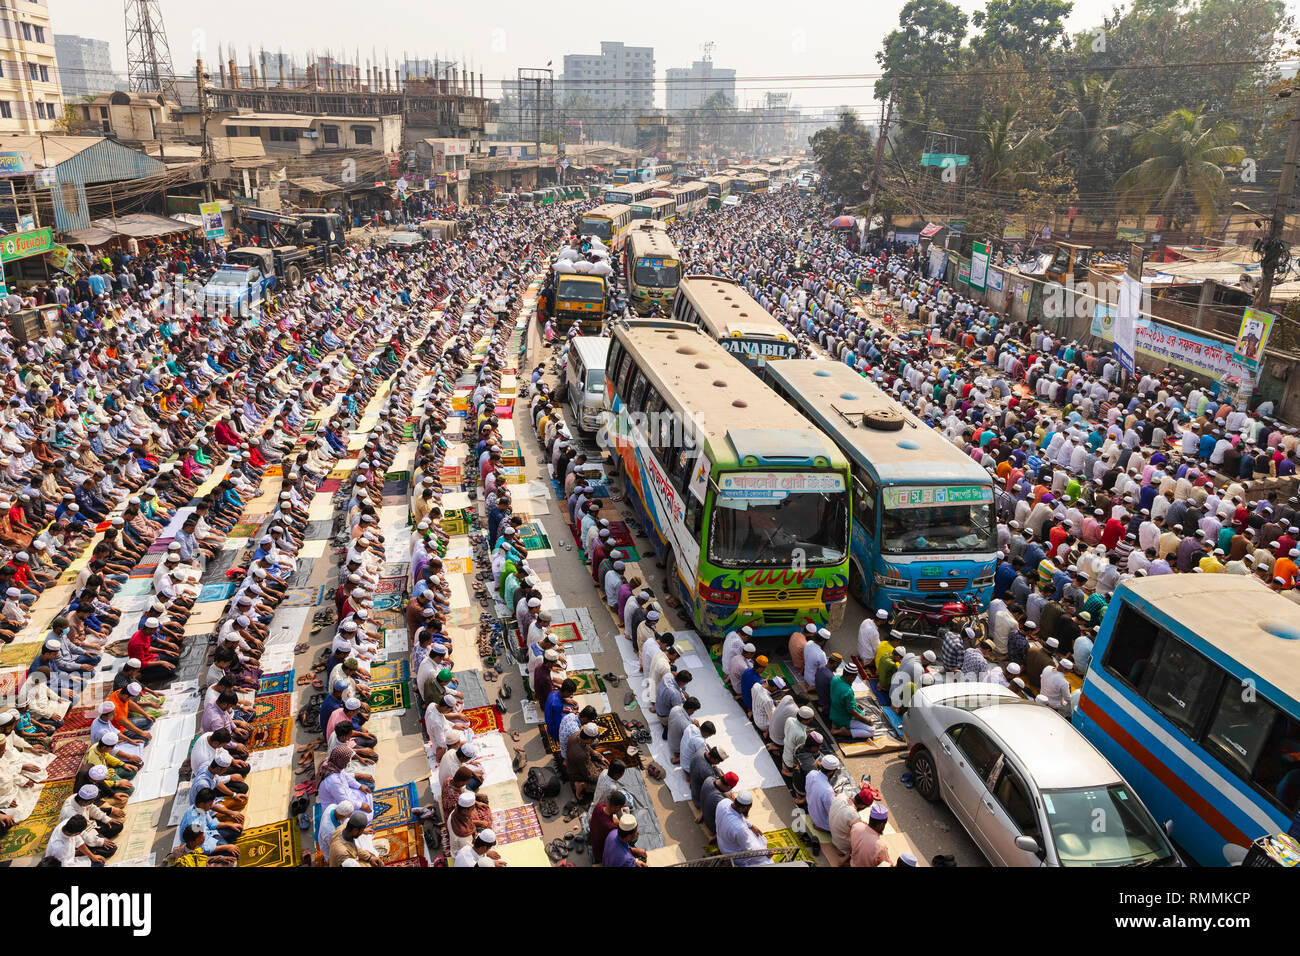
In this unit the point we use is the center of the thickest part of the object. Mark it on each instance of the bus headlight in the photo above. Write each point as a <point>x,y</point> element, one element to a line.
<point>891,579</point>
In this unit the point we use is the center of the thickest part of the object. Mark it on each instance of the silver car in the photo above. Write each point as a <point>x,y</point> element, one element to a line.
<point>1029,789</point>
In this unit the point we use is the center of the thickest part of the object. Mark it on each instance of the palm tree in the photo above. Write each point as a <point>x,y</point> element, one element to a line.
<point>1183,165</point>
<point>1009,157</point>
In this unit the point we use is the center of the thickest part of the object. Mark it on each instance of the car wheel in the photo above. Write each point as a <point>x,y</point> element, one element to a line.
<point>925,775</point>
<point>293,276</point>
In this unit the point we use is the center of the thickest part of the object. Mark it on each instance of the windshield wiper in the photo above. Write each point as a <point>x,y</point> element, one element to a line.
<point>1137,863</point>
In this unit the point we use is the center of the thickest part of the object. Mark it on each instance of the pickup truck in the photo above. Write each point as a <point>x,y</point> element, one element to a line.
<point>236,288</point>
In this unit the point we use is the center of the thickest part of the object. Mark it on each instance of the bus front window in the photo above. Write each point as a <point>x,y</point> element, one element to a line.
<point>576,290</point>
<point>648,275</point>
<point>745,532</point>
<point>600,228</point>
<point>936,528</point>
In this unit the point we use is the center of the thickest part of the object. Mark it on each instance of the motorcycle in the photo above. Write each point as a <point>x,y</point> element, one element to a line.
<point>922,619</point>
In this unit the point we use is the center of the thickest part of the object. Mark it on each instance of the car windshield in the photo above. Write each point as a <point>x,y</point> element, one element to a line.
<point>653,274</point>
<point>937,528</point>
<point>600,228</point>
<point>595,380</point>
<point>574,290</point>
<point>235,279</point>
<point>1104,826</point>
<point>748,532</point>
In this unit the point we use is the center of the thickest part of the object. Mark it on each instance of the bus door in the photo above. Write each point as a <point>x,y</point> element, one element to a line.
<point>863,538</point>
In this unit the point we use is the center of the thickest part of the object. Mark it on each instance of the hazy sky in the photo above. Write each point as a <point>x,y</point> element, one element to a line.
<point>766,45</point>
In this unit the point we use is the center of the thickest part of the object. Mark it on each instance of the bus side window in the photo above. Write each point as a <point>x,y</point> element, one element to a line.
<point>1257,742</point>
<point>626,377</point>
<point>659,425</point>
<point>640,385</point>
<point>864,505</point>
<point>1129,655</point>
<point>1177,683</point>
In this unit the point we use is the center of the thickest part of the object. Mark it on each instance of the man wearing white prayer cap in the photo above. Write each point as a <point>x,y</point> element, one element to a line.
<point>736,834</point>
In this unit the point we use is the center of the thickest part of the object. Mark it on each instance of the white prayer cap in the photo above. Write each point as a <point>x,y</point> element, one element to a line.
<point>88,792</point>
<point>110,739</point>
<point>1041,699</point>
<point>348,626</point>
<point>591,730</point>
<point>466,799</point>
<point>829,762</point>
<point>134,688</point>
<point>344,808</point>
<point>552,654</point>
<point>1013,668</point>
<point>106,707</point>
<point>805,712</point>
<point>487,836</point>
<point>133,662</point>
<point>13,593</point>
<point>99,771</point>
<point>882,615</point>
<point>352,703</point>
<point>151,622</point>
<point>744,798</point>
<point>749,649</point>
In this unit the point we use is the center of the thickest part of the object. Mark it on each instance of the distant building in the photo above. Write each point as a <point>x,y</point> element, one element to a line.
<point>85,65</point>
<point>31,99</point>
<point>617,76</point>
<point>689,89</point>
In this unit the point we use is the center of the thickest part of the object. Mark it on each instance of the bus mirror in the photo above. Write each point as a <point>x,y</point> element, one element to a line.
<point>1027,843</point>
<point>1169,827</point>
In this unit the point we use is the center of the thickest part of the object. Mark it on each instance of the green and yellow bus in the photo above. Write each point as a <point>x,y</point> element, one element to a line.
<point>747,504</point>
<point>659,208</point>
<point>729,314</point>
<point>608,223</point>
<point>651,267</point>
<point>628,193</point>
<point>751,183</point>
<point>719,188</point>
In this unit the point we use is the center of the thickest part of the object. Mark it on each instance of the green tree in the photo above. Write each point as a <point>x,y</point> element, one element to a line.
<point>845,154</point>
<point>926,44</point>
<point>1182,166</point>
<point>1028,27</point>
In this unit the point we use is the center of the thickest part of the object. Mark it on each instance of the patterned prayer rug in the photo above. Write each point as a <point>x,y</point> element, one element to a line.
<point>484,720</point>
<point>10,681</point>
<point>456,521</point>
<point>533,537</point>
<point>28,838</point>
<point>389,585</point>
<point>387,672</point>
<point>299,597</point>
<point>272,706</point>
<point>402,476</point>
<point>394,696</point>
<point>404,843</point>
<point>329,486</point>
<point>67,759</point>
<point>612,733</point>
<point>588,682</point>
<point>787,837</point>
<point>273,471</point>
<point>458,566</point>
<point>245,529</point>
<point>217,591</point>
<point>564,633</point>
<point>516,823</point>
<point>159,545</point>
<point>76,723</point>
<point>280,683</point>
<point>270,734</point>
<point>412,861</point>
<point>275,844</point>
<point>393,806</point>
<point>51,799</point>
<point>19,655</point>
<point>392,601</point>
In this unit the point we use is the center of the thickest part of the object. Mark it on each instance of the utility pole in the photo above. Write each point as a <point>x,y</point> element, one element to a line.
<point>881,136</point>
<point>201,82</point>
<point>1272,250</point>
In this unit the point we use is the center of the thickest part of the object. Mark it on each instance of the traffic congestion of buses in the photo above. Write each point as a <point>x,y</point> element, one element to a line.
<point>799,485</point>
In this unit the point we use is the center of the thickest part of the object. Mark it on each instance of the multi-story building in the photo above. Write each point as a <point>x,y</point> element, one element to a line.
<point>617,76</point>
<point>85,65</point>
<point>690,88</point>
<point>30,97</point>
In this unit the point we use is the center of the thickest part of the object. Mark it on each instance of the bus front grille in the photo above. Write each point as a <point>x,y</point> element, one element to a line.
<point>783,595</point>
<point>942,584</point>
<point>779,617</point>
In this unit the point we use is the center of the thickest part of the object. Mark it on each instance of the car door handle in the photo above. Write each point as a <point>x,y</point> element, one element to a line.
<point>988,805</point>
<point>946,749</point>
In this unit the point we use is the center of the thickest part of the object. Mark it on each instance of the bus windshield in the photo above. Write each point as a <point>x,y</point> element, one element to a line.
<point>657,274</point>
<point>577,290</point>
<point>601,228</point>
<point>934,528</point>
<point>1130,836</point>
<point>748,532</point>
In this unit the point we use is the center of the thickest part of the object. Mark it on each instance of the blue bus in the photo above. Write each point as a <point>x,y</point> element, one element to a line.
<point>1193,694</point>
<point>924,520</point>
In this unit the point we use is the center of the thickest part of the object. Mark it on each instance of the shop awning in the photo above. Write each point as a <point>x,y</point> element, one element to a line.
<point>92,236</point>
<point>931,230</point>
<point>313,184</point>
<point>143,225</point>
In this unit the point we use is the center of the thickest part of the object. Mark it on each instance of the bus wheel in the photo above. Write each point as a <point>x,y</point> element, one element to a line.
<point>856,587</point>
<point>925,775</point>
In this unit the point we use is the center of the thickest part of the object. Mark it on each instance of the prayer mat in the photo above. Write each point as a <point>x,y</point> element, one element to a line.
<point>389,585</point>
<point>451,474</point>
<point>388,672</point>
<point>394,696</point>
<point>76,722</point>
<point>394,497</point>
<point>19,655</point>
<point>272,706</point>
<point>28,838</point>
<point>299,597</point>
<point>588,682</point>
<point>458,566</point>
<point>393,601</point>
<point>51,799</point>
<point>329,486</point>
<point>10,681</point>
<point>532,537</point>
<point>484,720</point>
<point>281,683</point>
<point>338,475</point>
<point>310,427</point>
<point>472,689</point>
<point>402,476</point>
<point>516,823</point>
<point>404,843</point>
<point>456,521</point>
<point>275,844</point>
<point>68,757</point>
<point>245,529</point>
<point>564,633</point>
<point>217,591</point>
<point>408,432</point>
<point>159,545</point>
<point>787,837</point>
<point>273,471</point>
<point>270,734</point>
<point>393,806</point>
<point>389,620</point>
<point>612,733</point>
<point>412,861</point>
<point>117,648</point>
